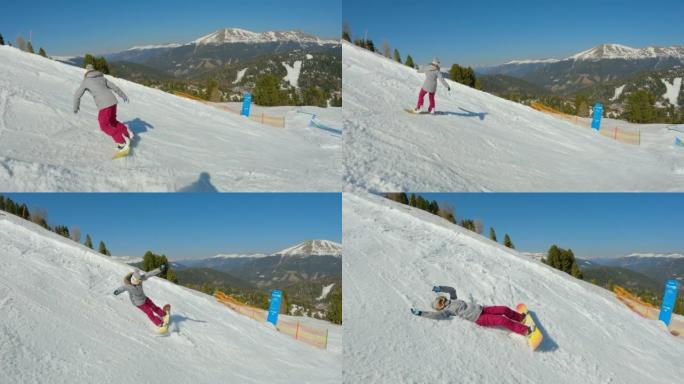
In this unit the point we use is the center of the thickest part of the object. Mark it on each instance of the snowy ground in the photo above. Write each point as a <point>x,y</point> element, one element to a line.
<point>182,145</point>
<point>394,254</point>
<point>60,323</point>
<point>481,142</point>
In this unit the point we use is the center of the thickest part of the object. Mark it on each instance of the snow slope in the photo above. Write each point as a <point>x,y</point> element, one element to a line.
<point>61,323</point>
<point>182,145</point>
<point>481,142</point>
<point>394,254</point>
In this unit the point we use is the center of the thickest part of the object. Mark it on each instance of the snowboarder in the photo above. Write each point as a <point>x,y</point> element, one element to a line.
<point>132,283</point>
<point>101,90</point>
<point>432,73</point>
<point>480,315</point>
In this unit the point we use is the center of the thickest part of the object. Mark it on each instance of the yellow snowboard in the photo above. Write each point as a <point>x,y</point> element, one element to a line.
<point>535,338</point>
<point>123,153</point>
<point>167,320</point>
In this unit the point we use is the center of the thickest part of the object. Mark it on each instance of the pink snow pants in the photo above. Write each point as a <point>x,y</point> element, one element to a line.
<point>504,317</point>
<point>110,126</point>
<point>152,311</point>
<point>421,96</point>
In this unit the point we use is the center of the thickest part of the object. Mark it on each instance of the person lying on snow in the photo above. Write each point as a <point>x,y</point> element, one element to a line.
<point>101,91</point>
<point>132,283</point>
<point>484,316</point>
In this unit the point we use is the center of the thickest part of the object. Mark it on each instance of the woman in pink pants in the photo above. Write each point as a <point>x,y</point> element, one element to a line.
<point>432,74</point>
<point>447,307</point>
<point>133,285</point>
<point>101,90</point>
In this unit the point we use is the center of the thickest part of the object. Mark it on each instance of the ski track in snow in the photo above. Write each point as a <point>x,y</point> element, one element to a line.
<point>618,92</point>
<point>394,254</point>
<point>61,323</point>
<point>240,75</point>
<point>181,145</point>
<point>672,90</point>
<point>326,290</point>
<point>293,73</point>
<point>482,142</point>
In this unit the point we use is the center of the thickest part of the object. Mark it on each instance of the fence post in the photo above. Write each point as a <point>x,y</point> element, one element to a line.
<point>297,332</point>
<point>325,345</point>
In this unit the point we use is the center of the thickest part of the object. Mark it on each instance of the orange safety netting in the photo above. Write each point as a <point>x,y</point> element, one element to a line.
<point>278,122</point>
<point>308,334</point>
<point>620,134</point>
<point>647,310</point>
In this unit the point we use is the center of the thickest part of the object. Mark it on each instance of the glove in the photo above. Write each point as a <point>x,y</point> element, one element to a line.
<point>416,311</point>
<point>436,289</point>
<point>116,293</point>
<point>162,267</point>
<point>76,109</point>
<point>125,99</point>
<point>449,89</point>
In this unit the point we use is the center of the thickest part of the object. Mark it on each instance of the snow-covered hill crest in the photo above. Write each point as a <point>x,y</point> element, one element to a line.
<point>182,145</point>
<point>394,254</point>
<point>61,323</point>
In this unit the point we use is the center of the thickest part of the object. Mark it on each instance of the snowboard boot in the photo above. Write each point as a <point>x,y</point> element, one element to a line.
<point>432,112</point>
<point>417,110</point>
<point>130,134</point>
<point>125,145</point>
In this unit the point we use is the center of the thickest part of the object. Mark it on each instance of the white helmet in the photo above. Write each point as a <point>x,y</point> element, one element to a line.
<point>440,302</point>
<point>136,278</point>
<point>435,61</point>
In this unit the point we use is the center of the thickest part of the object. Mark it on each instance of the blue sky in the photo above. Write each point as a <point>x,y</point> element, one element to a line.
<point>96,26</point>
<point>486,32</point>
<point>593,225</point>
<point>186,225</point>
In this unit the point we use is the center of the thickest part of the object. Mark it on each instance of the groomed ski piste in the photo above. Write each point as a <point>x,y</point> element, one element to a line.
<point>481,142</point>
<point>394,254</point>
<point>182,145</point>
<point>61,323</point>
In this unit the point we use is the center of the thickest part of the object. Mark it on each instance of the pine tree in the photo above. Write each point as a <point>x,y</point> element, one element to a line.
<point>508,242</point>
<point>334,314</point>
<point>267,91</point>
<point>88,242</point>
<point>553,257</point>
<point>370,46</point>
<point>103,249</point>
<point>29,48</point>
<point>41,52</point>
<point>397,56</point>
<point>412,201</point>
<point>575,271</point>
<point>409,61</point>
<point>2,40</point>
<point>346,31</point>
<point>492,234</point>
<point>641,107</point>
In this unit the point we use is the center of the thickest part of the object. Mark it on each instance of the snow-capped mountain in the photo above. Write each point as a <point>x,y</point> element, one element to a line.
<point>237,35</point>
<point>618,51</point>
<point>652,255</point>
<point>313,248</point>
<point>657,266</point>
<point>307,261</point>
<point>595,66</point>
<point>238,255</point>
